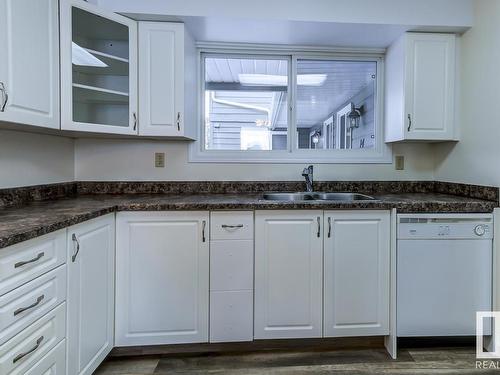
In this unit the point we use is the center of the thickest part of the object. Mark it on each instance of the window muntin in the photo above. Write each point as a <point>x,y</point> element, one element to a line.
<point>246,101</point>
<point>322,111</point>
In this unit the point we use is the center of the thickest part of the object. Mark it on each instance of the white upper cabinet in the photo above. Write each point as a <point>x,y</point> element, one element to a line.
<point>420,88</point>
<point>356,273</point>
<point>91,268</point>
<point>98,70</point>
<point>161,78</point>
<point>29,62</point>
<point>167,95</point>
<point>162,278</point>
<point>288,274</point>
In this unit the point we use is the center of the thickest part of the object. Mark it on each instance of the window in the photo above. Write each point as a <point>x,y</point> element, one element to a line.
<point>291,108</point>
<point>246,103</point>
<point>325,109</point>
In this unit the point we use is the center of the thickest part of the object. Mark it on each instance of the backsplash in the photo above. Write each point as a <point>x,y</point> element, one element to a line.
<point>24,195</point>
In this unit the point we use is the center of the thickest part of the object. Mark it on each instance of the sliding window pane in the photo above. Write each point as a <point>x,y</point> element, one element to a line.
<point>245,103</point>
<point>336,104</point>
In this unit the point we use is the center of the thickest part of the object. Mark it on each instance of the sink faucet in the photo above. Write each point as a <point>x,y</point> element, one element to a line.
<point>307,173</point>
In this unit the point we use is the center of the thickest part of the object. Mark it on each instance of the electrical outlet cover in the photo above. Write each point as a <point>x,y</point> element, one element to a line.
<point>159,159</point>
<point>400,162</point>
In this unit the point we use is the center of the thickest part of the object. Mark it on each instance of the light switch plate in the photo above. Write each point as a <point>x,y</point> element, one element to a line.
<point>400,162</point>
<point>159,159</point>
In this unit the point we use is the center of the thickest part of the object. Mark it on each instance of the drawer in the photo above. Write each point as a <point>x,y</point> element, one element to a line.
<point>231,265</point>
<point>24,305</point>
<point>231,225</point>
<point>53,363</point>
<point>25,261</point>
<point>26,348</point>
<point>231,316</point>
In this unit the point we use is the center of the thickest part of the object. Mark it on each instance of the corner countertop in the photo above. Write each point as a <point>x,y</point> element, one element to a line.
<point>19,224</point>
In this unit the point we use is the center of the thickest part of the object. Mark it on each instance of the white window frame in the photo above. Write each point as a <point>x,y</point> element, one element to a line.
<point>380,154</point>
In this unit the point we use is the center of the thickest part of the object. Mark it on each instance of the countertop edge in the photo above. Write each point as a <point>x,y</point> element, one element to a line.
<point>401,207</point>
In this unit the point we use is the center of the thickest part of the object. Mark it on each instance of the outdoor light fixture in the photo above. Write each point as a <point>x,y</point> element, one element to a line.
<point>354,116</point>
<point>315,137</point>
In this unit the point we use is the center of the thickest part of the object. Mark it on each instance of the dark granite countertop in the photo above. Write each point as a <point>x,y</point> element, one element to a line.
<point>19,224</point>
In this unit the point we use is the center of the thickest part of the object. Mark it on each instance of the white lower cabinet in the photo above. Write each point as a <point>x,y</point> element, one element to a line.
<point>356,273</point>
<point>162,278</point>
<point>24,350</point>
<point>231,276</point>
<point>91,264</point>
<point>53,363</point>
<point>288,274</point>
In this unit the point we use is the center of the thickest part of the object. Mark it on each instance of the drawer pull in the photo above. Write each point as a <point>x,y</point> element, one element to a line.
<point>35,304</point>
<point>22,355</point>
<point>225,226</point>
<point>35,259</point>
<point>74,238</point>
<point>204,224</point>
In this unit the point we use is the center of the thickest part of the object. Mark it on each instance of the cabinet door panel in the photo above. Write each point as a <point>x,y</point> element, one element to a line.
<point>162,278</point>
<point>90,294</point>
<point>288,274</point>
<point>29,62</point>
<point>356,273</point>
<point>430,77</point>
<point>161,78</point>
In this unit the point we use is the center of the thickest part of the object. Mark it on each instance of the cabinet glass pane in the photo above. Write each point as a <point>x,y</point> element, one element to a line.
<point>100,52</point>
<point>336,104</point>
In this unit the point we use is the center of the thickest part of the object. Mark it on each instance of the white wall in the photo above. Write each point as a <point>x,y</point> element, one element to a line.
<point>104,159</point>
<point>476,158</point>
<point>33,159</point>
<point>395,12</point>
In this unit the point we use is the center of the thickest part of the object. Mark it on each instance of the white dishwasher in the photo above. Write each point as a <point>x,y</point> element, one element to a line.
<point>444,273</point>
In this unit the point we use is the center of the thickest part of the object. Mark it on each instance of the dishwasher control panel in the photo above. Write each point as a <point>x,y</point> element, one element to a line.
<point>444,226</point>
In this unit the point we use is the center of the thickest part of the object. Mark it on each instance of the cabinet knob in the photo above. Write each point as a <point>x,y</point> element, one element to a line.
<point>409,122</point>
<point>178,121</point>
<point>135,120</point>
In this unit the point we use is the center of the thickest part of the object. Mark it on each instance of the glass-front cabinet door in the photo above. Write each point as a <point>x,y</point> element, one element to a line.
<point>98,70</point>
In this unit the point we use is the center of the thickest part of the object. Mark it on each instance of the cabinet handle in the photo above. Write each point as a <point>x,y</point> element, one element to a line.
<point>35,304</point>
<point>35,259</point>
<point>22,355</point>
<point>409,122</point>
<point>178,121</point>
<point>319,228</point>
<point>225,226</point>
<point>203,226</point>
<point>329,227</point>
<point>135,120</point>
<point>5,97</point>
<point>75,239</point>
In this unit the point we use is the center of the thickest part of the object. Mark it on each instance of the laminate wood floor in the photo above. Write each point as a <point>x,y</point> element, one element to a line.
<point>457,360</point>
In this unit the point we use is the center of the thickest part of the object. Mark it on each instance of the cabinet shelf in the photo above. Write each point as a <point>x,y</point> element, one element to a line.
<point>116,66</point>
<point>92,94</point>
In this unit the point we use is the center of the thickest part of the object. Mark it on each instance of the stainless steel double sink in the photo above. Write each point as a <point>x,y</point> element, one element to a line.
<point>316,196</point>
